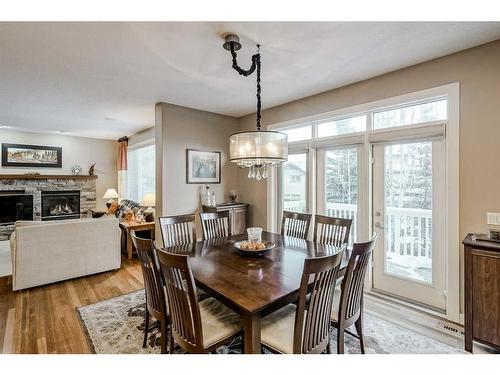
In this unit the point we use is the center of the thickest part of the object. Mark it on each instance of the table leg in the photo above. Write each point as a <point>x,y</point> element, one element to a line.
<point>251,334</point>
<point>130,245</point>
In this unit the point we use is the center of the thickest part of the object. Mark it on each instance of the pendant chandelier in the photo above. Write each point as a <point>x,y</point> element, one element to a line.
<point>258,150</point>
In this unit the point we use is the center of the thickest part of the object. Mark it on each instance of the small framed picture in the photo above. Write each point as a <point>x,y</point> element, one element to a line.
<point>14,155</point>
<point>202,167</point>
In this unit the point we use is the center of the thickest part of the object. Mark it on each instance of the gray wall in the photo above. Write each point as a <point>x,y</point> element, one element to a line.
<point>177,129</point>
<point>76,150</point>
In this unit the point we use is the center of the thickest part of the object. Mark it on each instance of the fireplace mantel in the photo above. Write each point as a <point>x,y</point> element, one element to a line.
<point>46,177</point>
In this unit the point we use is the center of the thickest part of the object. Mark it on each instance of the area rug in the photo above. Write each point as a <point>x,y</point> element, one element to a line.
<point>116,326</point>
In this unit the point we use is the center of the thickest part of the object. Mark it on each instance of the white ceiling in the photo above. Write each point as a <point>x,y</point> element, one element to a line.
<point>103,79</point>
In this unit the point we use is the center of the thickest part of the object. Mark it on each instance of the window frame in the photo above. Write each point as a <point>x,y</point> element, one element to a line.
<point>448,128</point>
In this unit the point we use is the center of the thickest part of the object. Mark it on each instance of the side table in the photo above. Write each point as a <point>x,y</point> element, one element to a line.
<point>128,226</point>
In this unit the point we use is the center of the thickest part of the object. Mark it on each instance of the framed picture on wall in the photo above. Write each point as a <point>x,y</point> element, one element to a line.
<point>203,167</point>
<point>14,155</point>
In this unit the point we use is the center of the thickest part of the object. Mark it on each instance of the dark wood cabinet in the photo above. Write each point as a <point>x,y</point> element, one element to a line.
<point>238,215</point>
<point>482,292</point>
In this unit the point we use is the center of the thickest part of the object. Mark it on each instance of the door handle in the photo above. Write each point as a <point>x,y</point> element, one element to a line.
<point>377,225</point>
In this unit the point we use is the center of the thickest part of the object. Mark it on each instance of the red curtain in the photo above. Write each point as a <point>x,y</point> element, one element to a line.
<point>122,154</point>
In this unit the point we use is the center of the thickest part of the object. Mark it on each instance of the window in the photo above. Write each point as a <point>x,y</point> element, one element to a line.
<point>410,115</point>
<point>391,183</point>
<point>298,134</point>
<point>342,126</point>
<point>295,190</point>
<point>340,176</point>
<point>141,172</point>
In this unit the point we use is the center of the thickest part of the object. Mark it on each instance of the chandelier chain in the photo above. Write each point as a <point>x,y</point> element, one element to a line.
<point>255,65</point>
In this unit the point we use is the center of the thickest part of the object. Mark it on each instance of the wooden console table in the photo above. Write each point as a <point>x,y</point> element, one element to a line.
<point>238,216</point>
<point>482,292</point>
<point>128,226</point>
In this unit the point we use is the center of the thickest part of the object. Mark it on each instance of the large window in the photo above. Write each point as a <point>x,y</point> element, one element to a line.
<point>391,166</point>
<point>141,172</point>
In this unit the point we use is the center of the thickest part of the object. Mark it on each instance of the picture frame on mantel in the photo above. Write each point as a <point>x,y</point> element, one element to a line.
<point>34,156</point>
<point>203,167</point>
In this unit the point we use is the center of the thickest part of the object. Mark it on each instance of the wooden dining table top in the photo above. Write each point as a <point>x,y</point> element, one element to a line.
<point>253,285</point>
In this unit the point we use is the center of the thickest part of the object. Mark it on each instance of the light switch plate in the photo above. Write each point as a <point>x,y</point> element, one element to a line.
<point>493,218</point>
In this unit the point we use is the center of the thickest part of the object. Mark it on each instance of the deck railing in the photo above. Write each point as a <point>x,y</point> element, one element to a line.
<point>408,231</point>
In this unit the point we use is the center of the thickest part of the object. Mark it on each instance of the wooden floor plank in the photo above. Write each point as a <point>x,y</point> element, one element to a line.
<point>44,319</point>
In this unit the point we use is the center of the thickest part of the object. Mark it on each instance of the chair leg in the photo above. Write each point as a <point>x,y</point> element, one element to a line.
<point>359,329</point>
<point>340,341</point>
<point>329,348</point>
<point>146,327</point>
<point>170,340</point>
<point>164,337</point>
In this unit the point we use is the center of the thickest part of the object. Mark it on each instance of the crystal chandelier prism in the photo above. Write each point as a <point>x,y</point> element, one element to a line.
<point>258,150</point>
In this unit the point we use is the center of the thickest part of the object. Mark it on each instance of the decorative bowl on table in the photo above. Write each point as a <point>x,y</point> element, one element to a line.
<point>248,248</point>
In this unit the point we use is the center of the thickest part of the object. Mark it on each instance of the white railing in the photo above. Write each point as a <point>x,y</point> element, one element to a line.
<point>408,231</point>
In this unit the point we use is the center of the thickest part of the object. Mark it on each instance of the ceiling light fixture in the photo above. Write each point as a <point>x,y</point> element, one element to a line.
<point>258,150</point>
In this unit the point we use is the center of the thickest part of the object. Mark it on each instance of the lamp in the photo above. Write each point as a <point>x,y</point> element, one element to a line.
<point>149,201</point>
<point>257,150</point>
<point>111,195</point>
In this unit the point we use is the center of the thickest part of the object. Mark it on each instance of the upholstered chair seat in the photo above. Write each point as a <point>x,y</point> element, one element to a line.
<point>277,329</point>
<point>218,322</point>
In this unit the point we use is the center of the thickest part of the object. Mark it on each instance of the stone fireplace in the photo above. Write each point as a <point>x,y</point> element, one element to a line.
<point>76,196</point>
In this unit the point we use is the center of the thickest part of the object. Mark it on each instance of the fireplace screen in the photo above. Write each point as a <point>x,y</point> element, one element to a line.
<point>58,205</point>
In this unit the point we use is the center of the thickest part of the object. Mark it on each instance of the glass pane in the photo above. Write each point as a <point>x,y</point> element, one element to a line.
<point>408,211</point>
<point>341,178</point>
<point>295,183</point>
<point>141,173</point>
<point>298,134</point>
<point>343,126</point>
<point>415,114</point>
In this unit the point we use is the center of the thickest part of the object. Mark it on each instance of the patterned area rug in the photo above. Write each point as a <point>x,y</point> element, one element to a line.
<point>116,326</point>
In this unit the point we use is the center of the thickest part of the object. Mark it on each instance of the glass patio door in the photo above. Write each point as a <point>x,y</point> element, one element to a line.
<point>408,215</point>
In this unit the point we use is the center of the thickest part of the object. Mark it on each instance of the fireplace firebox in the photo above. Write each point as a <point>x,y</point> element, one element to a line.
<point>60,204</point>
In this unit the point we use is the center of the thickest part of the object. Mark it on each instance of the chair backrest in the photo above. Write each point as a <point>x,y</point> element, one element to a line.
<point>312,320</point>
<point>295,224</point>
<point>155,297</point>
<point>177,230</point>
<point>214,224</point>
<point>183,301</point>
<point>351,295</point>
<point>331,230</point>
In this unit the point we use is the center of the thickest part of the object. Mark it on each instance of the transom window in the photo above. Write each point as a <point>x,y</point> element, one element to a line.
<point>417,113</point>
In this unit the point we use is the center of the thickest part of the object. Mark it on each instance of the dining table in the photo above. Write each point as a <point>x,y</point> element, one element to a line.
<point>253,286</point>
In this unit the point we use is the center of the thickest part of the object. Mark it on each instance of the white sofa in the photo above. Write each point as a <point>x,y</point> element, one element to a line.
<point>44,252</point>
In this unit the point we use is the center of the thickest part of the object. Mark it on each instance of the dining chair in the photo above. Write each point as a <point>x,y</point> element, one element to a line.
<point>156,305</point>
<point>197,327</point>
<point>215,224</point>
<point>331,230</point>
<point>177,230</point>
<point>295,224</point>
<point>348,298</point>
<point>305,328</point>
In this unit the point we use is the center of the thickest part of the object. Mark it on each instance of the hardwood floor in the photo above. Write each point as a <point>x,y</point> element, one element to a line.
<point>44,320</point>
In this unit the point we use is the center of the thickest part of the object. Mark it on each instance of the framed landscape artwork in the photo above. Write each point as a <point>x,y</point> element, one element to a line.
<point>14,155</point>
<point>202,167</point>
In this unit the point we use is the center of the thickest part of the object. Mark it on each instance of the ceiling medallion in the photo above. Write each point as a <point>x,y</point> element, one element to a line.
<point>258,150</point>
